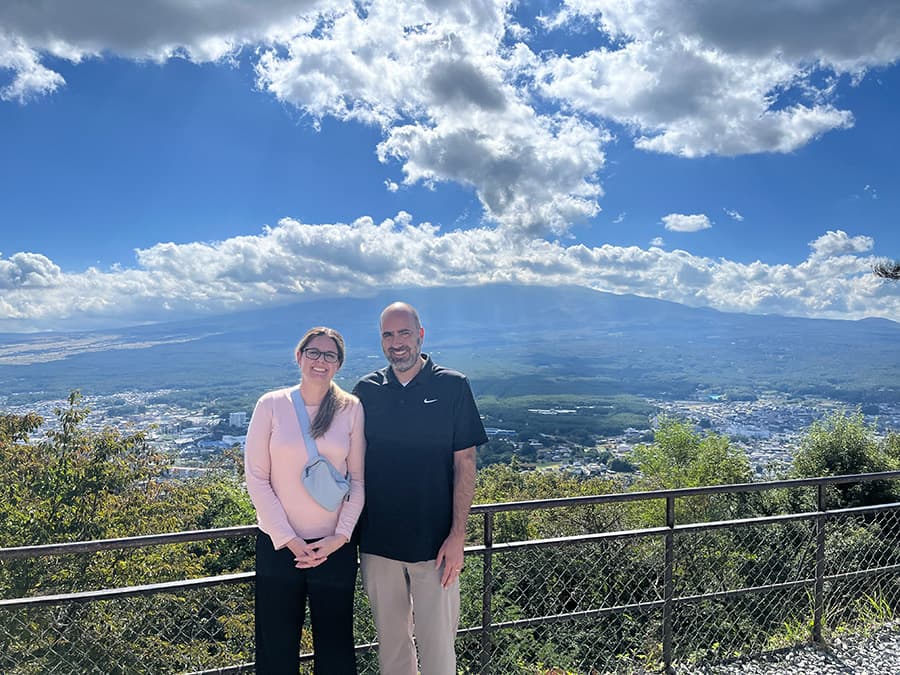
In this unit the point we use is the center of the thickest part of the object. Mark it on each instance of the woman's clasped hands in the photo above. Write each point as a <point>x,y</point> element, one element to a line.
<point>313,554</point>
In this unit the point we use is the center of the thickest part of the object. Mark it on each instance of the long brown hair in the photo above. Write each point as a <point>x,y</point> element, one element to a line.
<point>335,398</point>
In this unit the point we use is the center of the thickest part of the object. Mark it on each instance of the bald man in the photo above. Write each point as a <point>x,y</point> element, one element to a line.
<point>422,427</point>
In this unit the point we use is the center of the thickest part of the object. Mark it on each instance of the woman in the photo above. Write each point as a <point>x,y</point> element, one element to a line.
<point>303,551</point>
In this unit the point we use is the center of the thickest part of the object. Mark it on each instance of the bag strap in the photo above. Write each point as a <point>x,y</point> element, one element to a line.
<point>303,418</point>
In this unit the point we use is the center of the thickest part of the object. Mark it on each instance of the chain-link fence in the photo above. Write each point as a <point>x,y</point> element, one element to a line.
<point>626,583</point>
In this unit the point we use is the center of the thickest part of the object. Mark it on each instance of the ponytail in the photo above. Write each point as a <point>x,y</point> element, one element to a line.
<point>335,399</point>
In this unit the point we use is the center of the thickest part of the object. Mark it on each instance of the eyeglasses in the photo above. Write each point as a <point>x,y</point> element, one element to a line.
<point>315,355</point>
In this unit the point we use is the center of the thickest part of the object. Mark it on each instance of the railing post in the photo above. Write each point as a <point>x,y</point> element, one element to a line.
<point>487,581</point>
<point>668,585</point>
<point>819,607</point>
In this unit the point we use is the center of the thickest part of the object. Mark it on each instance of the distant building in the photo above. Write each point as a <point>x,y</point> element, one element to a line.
<point>237,419</point>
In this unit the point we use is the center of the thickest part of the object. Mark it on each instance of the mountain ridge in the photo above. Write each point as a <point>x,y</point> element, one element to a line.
<point>558,337</point>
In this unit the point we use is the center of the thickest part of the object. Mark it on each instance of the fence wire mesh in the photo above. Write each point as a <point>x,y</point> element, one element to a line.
<point>576,605</point>
<point>860,605</point>
<point>628,642</point>
<point>160,633</point>
<point>723,629</point>
<point>576,578</point>
<point>744,556</point>
<point>863,542</point>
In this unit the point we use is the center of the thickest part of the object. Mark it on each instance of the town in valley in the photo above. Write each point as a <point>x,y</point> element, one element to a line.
<point>768,428</point>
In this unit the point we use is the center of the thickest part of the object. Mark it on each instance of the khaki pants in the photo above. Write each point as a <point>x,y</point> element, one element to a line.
<point>408,598</point>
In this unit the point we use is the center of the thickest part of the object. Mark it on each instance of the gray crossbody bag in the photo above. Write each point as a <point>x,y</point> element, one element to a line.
<point>322,481</point>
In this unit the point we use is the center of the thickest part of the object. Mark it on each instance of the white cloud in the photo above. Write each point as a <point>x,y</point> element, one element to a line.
<point>460,96</point>
<point>440,86</point>
<point>722,76</point>
<point>30,78</point>
<point>151,29</point>
<point>838,243</point>
<point>684,98</point>
<point>658,242</point>
<point>849,36</point>
<point>28,270</point>
<point>458,99</point>
<point>295,260</point>
<point>677,222</point>
<point>734,215</point>
<point>529,175</point>
<point>155,30</point>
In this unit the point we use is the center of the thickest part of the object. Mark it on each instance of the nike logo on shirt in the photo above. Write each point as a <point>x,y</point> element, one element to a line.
<point>430,400</point>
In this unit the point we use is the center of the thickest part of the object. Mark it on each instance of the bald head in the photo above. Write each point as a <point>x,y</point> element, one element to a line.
<point>401,309</point>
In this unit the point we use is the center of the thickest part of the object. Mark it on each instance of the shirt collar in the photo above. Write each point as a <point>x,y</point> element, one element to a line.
<point>424,373</point>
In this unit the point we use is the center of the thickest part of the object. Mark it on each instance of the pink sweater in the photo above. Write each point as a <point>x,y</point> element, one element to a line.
<point>274,458</point>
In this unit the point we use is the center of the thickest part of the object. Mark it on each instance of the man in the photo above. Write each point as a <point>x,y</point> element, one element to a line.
<point>422,427</point>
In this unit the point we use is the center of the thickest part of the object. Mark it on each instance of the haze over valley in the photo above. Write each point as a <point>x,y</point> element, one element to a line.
<point>574,366</point>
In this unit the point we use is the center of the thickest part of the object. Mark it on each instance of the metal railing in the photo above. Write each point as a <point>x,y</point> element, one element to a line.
<point>628,582</point>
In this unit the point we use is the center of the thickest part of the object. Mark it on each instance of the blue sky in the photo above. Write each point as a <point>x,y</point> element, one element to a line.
<point>205,158</point>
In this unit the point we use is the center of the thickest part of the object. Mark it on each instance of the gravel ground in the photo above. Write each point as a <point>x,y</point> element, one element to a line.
<point>875,654</point>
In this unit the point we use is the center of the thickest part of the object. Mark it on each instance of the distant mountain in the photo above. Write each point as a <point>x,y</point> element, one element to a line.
<point>508,339</point>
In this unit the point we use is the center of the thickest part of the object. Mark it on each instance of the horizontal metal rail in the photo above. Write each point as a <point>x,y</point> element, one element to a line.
<point>870,572</point>
<point>619,497</point>
<point>19,552</point>
<point>129,591</point>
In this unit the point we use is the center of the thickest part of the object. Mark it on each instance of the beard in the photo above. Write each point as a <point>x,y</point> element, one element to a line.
<point>404,361</point>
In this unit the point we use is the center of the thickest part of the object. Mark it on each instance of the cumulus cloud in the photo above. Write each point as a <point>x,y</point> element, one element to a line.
<point>28,270</point>
<point>722,76</point>
<point>30,78</point>
<point>734,215</point>
<point>296,260</point>
<point>462,93</point>
<point>438,80</point>
<point>529,176</point>
<point>461,96</point>
<point>837,243</point>
<point>154,29</point>
<point>685,99</point>
<point>850,36</point>
<point>677,222</point>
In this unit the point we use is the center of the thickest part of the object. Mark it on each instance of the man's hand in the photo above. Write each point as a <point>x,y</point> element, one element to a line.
<point>451,556</point>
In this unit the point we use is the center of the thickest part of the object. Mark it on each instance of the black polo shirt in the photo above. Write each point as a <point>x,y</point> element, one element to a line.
<point>411,435</point>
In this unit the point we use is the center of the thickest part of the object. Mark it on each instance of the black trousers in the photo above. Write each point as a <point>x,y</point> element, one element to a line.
<point>282,592</point>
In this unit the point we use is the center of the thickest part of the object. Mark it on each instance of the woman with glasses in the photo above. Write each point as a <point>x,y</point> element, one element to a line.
<point>303,550</point>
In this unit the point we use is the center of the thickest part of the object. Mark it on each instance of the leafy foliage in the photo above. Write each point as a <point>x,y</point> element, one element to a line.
<point>680,457</point>
<point>889,269</point>
<point>74,484</point>
<point>843,444</point>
